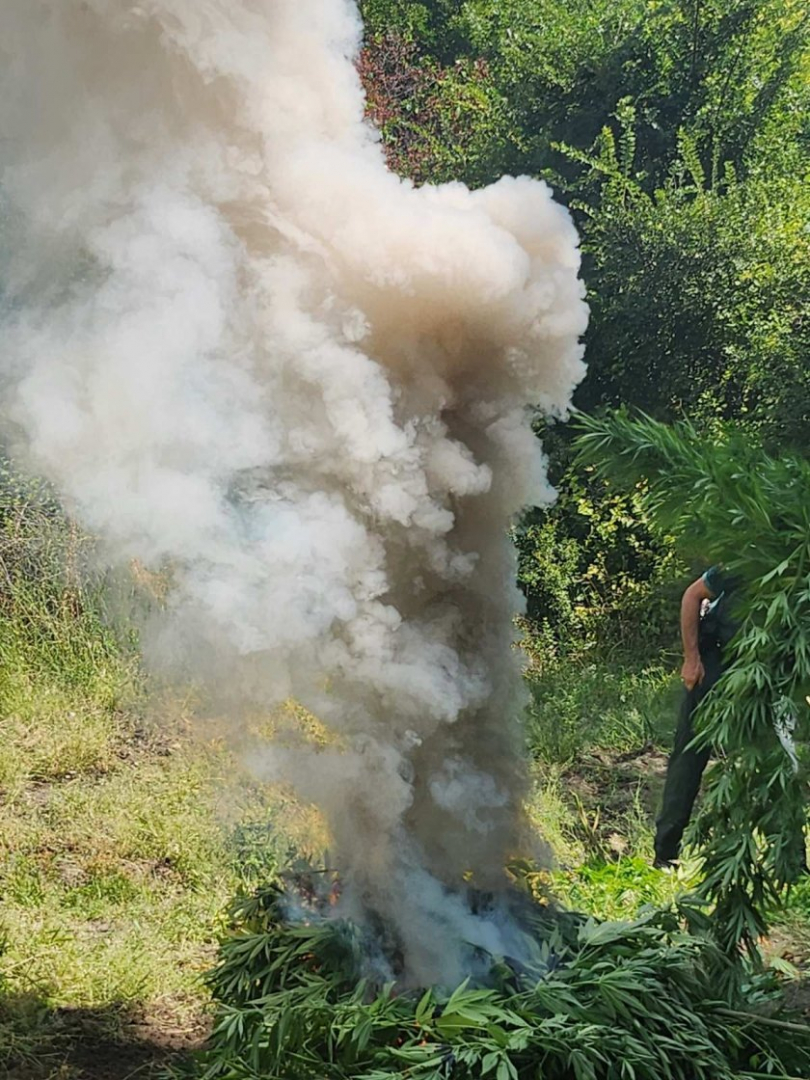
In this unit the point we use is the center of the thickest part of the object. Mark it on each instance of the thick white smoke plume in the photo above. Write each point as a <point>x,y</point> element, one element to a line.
<point>242,348</point>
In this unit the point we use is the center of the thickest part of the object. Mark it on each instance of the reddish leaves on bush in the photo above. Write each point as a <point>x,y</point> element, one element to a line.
<point>418,106</point>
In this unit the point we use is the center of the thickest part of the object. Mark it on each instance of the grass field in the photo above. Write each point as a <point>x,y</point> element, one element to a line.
<point>116,864</point>
<point>119,822</point>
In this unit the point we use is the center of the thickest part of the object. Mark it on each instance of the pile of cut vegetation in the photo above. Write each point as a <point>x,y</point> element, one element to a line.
<point>601,1000</point>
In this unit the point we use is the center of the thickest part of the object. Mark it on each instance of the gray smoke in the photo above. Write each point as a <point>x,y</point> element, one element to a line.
<point>244,350</point>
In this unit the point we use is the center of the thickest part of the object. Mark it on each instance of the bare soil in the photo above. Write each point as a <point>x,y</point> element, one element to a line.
<point>108,1044</point>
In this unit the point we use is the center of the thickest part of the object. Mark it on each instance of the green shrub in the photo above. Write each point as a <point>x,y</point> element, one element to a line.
<point>618,889</point>
<point>600,582</point>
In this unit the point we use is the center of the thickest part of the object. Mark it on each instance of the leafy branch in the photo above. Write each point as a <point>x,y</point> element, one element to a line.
<point>729,501</point>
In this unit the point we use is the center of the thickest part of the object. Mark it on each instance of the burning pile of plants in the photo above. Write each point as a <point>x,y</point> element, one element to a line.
<point>303,994</point>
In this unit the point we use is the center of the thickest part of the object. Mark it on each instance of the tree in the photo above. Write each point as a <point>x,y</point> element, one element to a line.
<point>438,123</point>
<point>720,68</point>
<point>699,293</point>
<point>676,130</point>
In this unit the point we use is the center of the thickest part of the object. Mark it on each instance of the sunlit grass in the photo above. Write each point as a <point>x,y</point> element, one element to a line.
<point>578,706</point>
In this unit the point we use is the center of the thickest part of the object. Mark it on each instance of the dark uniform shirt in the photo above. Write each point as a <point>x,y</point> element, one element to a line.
<point>718,624</point>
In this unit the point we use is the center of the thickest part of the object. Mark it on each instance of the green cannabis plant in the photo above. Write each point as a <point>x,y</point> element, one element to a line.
<point>727,501</point>
<point>603,1001</point>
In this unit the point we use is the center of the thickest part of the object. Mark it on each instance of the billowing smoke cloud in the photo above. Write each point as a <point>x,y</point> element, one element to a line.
<point>243,349</point>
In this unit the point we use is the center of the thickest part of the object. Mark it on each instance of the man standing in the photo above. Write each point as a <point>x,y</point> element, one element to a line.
<point>706,630</point>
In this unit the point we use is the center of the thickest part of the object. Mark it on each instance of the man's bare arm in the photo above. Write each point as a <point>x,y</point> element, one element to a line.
<point>692,671</point>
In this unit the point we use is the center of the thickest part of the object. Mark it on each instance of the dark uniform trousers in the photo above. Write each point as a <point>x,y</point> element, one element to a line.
<point>686,764</point>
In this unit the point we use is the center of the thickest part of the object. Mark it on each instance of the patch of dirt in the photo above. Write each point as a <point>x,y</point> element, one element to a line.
<point>139,742</point>
<point>142,1050</point>
<point>114,1061</point>
<point>110,1044</point>
<point>797,997</point>
<point>608,789</point>
<point>788,940</point>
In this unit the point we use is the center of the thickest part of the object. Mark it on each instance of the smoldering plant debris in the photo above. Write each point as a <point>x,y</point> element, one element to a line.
<point>309,997</point>
<point>375,952</point>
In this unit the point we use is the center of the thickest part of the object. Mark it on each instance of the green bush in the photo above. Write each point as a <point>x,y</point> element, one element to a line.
<point>698,293</point>
<point>613,890</point>
<point>599,581</point>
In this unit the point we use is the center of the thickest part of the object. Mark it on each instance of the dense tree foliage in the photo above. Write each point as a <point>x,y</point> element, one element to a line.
<point>677,131</point>
<point>564,69</point>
